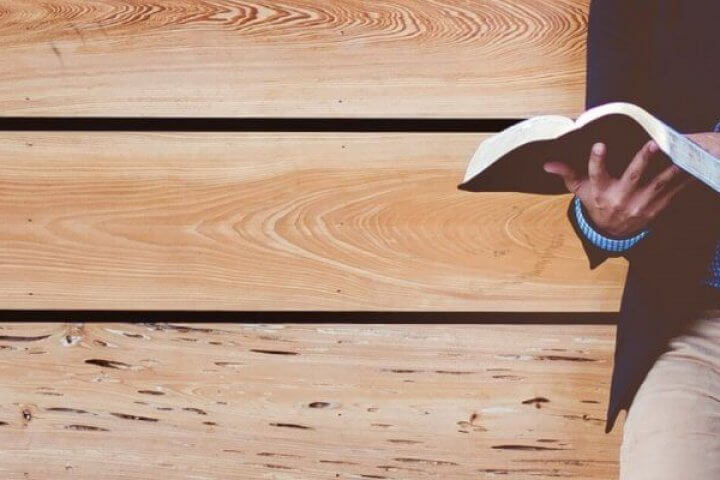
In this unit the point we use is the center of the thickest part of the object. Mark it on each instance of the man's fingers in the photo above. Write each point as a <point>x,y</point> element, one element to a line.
<point>681,184</point>
<point>663,200</point>
<point>639,164</point>
<point>667,179</point>
<point>597,172</point>
<point>661,190</point>
<point>572,179</point>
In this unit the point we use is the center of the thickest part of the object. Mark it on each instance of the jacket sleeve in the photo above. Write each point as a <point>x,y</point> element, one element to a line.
<point>599,247</point>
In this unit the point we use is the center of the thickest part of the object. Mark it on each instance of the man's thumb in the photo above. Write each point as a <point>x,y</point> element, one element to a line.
<point>557,168</point>
<point>566,172</point>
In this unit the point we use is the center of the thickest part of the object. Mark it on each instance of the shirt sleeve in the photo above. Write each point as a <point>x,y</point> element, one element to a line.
<point>604,242</point>
<point>717,128</point>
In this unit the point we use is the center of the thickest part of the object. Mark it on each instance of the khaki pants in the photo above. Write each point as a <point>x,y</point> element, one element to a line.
<point>672,428</point>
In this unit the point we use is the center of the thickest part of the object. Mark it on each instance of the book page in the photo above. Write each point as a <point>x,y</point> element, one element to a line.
<point>692,158</point>
<point>543,127</point>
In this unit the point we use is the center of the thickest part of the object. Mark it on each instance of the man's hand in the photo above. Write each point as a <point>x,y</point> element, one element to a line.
<point>621,207</point>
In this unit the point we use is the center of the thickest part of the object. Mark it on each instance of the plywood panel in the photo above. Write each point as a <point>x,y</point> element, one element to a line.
<point>263,221</point>
<point>305,401</point>
<point>295,58</point>
<point>279,221</point>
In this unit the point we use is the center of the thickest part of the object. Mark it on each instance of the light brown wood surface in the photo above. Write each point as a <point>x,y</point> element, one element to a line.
<point>299,401</point>
<point>295,58</point>
<point>253,221</point>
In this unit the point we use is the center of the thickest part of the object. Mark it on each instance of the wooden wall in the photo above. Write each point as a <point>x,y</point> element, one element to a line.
<point>284,220</point>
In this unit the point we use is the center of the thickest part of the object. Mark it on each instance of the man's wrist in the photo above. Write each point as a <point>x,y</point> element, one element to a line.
<point>604,242</point>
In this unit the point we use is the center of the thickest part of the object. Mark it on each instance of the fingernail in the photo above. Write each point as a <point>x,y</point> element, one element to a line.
<point>653,147</point>
<point>598,148</point>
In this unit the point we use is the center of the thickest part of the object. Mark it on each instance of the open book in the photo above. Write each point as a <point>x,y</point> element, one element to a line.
<point>512,160</point>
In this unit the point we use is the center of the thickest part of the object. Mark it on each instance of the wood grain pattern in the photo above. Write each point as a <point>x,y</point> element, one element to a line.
<point>299,401</point>
<point>295,58</point>
<point>279,222</point>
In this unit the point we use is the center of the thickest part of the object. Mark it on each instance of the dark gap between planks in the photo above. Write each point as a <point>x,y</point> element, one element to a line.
<point>483,318</point>
<point>132,124</point>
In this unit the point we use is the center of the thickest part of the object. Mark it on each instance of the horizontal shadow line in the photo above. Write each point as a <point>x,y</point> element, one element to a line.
<point>520,318</point>
<point>216,124</point>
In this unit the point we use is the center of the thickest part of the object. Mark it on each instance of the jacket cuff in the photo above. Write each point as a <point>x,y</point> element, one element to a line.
<point>601,241</point>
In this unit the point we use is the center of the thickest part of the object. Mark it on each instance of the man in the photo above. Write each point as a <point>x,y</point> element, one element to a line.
<point>662,55</point>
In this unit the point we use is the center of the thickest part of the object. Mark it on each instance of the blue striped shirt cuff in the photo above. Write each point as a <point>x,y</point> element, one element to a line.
<point>601,241</point>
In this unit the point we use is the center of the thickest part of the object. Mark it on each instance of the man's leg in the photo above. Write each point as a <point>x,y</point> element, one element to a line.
<point>672,429</point>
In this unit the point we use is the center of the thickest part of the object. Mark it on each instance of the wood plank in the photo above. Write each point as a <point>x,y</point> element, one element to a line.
<point>260,221</point>
<point>279,221</point>
<point>295,58</point>
<point>305,401</point>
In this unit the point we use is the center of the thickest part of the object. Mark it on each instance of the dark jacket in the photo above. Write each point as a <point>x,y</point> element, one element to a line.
<point>663,55</point>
